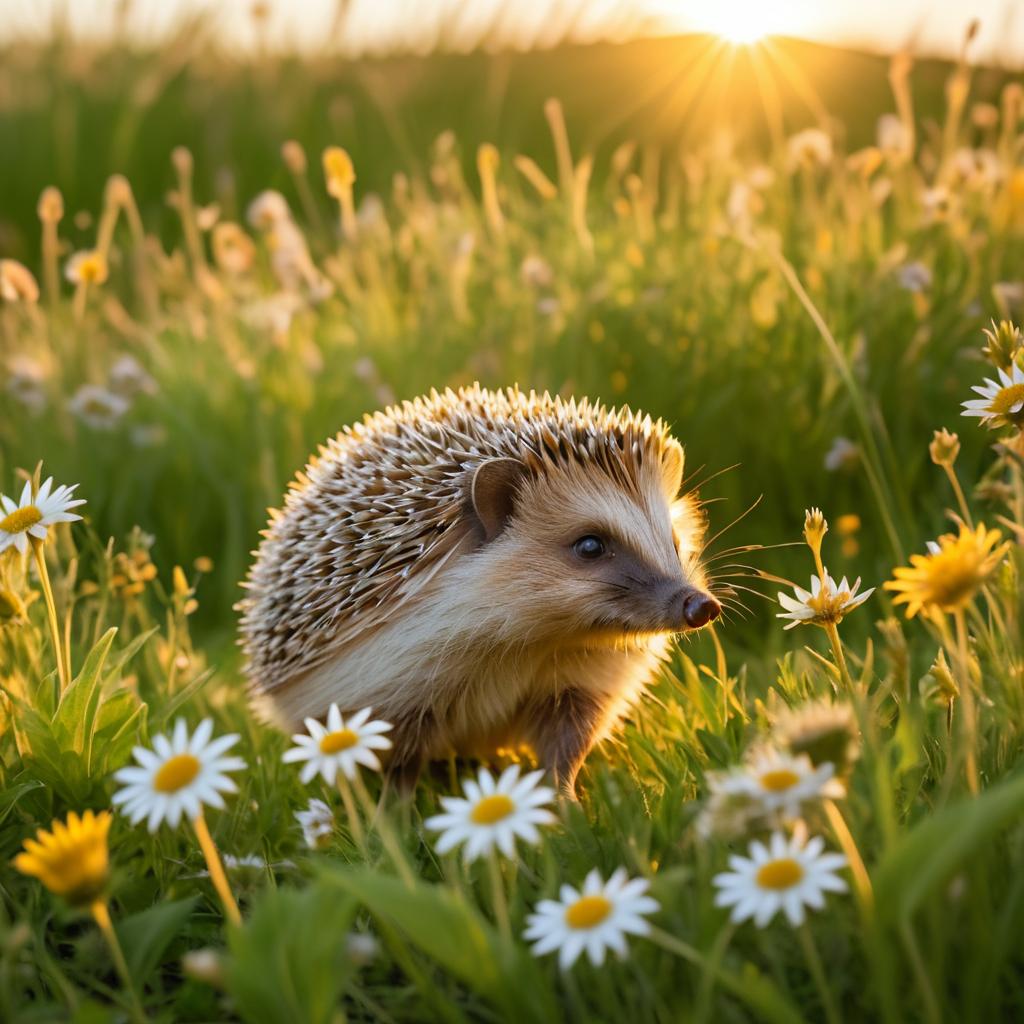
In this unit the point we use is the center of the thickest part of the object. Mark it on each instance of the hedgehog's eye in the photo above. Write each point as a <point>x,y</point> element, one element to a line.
<point>589,547</point>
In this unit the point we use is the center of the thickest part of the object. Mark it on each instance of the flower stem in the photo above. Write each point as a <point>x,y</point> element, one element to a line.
<point>79,301</point>
<point>845,839</point>
<point>499,900</point>
<point>818,974</point>
<point>968,716</point>
<point>932,1012</point>
<point>51,612</point>
<point>837,652</point>
<point>216,869</point>
<point>355,823</point>
<point>958,491</point>
<point>383,828</point>
<point>714,960</point>
<point>101,914</point>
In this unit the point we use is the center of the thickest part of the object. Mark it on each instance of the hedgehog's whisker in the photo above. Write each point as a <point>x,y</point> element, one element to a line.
<point>750,590</point>
<point>711,540</point>
<point>745,548</point>
<point>686,487</point>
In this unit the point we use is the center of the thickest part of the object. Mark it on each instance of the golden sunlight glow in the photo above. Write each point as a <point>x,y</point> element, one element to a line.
<point>744,22</point>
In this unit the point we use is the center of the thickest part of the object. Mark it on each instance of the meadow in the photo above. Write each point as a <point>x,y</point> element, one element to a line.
<point>207,269</point>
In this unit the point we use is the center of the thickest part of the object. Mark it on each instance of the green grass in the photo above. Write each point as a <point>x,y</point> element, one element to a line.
<point>761,340</point>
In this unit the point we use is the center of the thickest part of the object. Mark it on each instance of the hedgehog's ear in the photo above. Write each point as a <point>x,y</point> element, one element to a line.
<point>493,492</point>
<point>672,468</point>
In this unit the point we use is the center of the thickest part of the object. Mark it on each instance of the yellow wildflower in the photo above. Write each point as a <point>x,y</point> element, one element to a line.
<point>338,170</point>
<point>951,573</point>
<point>72,859</point>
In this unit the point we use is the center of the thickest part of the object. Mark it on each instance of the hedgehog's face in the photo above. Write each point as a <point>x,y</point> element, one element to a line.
<point>580,555</point>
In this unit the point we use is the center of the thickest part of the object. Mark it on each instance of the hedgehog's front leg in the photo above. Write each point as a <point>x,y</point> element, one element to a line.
<point>563,731</point>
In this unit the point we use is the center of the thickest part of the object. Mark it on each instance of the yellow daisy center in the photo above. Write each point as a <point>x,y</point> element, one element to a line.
<point>176,773</point>
<point>779,780</point>
<point>92,269</point>
<point>492,809</point>
<point>588,911</point>
<point>780,874</point>
<point>335,742</point>
<point>1007,398</point>
<point>21,519</point>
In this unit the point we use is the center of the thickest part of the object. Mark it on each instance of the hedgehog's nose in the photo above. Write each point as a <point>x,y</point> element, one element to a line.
<point>699,609</point>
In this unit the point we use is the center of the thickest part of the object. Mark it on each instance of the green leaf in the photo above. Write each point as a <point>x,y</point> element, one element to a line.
<point>122,657</point>
<point>145,936</point>
<point>934,849</point>
<point>116,732</point>
<point>716,748</point>
<point>9,797</point>
<point>76,712</point>
<point>446,928</point>
<point>289,961</point>
<point>180,699</point>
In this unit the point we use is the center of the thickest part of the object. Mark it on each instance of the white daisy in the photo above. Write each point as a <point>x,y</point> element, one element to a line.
<point>779,782</point>
<point>128,378</point>
<point>825,603</point>
<point>1002,401</point>
<point>339,744</point>
<point>317,823</point>
<point>787,874</point>
<point>97,407</point>
<point>247,862</point>
<point>809,148</point>
<point>493,813</point>
<point>596,918</point>
<point>268,209</point>
<point>34,514</point>
<point>179,776</point>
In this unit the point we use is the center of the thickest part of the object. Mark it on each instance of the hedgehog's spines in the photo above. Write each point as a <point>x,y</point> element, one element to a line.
<point>381,507</point>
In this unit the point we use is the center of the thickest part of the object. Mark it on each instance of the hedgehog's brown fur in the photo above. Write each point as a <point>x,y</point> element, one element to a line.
<point>385,514</point>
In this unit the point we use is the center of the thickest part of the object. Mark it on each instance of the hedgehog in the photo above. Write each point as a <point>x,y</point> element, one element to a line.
<point>485,569</point>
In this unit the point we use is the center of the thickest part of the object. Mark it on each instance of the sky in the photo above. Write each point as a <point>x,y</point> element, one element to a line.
<point>929,27</point>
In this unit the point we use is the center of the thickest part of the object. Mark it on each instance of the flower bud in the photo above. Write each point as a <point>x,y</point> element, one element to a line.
<point>1004,341</point>
<point>815,528</point>
<point>938,684</point>
<point>945,447</point>
<point>294,157</point>
<point>204,965</point>
<point>51,205</point>
<point>338,169</point>
<point>12,608</point>
<point>182,160</point>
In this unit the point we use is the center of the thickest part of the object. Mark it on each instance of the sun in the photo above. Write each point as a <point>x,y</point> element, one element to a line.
<point>745,22</point>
